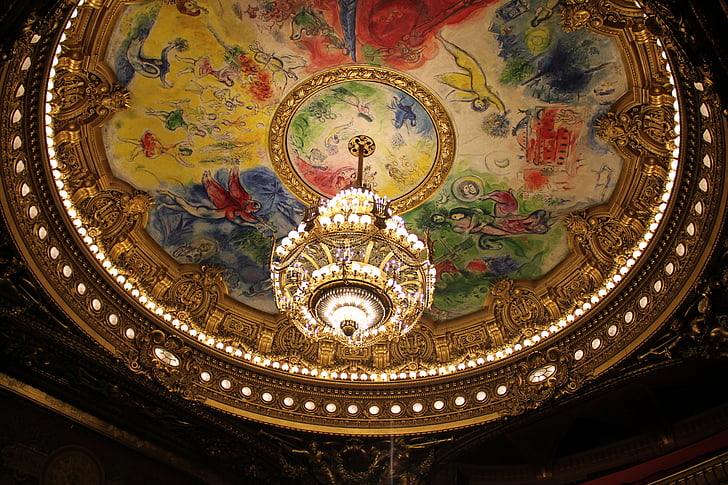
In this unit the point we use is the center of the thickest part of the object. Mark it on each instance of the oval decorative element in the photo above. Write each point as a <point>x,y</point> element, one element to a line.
<point>541,374</point>
<point>166,356</point>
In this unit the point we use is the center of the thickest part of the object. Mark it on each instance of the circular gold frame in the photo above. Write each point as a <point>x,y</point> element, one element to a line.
<point>444,129</point>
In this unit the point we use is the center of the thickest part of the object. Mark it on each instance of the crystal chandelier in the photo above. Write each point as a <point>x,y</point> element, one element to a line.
<point>351,271</point>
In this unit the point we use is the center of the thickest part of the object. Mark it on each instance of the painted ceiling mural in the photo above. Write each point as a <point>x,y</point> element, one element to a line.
<point>207,76</point>
<point>538,146</point>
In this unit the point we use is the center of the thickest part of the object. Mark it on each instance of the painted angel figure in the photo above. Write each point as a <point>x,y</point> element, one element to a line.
<point>471,85</point>
<point>234,203</point>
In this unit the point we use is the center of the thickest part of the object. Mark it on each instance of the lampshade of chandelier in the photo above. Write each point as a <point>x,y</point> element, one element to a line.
<point>352,272</point>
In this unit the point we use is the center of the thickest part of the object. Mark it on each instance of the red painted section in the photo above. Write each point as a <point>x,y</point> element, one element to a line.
<point>553,136</point>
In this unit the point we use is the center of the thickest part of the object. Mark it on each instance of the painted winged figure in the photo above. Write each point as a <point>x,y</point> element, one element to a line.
<point>471,85</point>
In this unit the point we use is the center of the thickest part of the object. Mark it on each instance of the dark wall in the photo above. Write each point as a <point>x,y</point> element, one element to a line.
<point>38,446</point>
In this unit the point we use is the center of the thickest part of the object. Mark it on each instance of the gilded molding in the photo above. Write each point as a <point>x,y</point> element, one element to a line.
<point>539,378</point>
<point>579,14</point>
<point>82,97</point>
<point>197,291</point>
<point>604,240</point>
<point>576,287</point>
<point>642,129</point>
<point>519,312</point>
<point>114,214</point>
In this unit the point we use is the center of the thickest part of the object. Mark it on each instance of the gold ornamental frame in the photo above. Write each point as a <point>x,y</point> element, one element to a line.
<point>444,129</point>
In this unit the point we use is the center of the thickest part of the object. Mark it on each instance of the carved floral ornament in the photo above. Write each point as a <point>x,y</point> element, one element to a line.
<point>83,231</point>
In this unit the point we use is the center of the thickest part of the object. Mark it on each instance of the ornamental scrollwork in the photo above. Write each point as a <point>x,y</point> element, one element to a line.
<point>167,359</point>
<point>399,461</point>
<point>643,129</point>
<point>682,39</point>
<point>579,14</point>
<point>539,378</point>
<point>417,346</point>
<point>197,291</point>
<point>133,261</point>
<point>576,287</point>
<point>82,97</point>
<point>603,239</point>
<point>648,194</point>
<point>473,340</point>
<point>239,329</point>
<point>702,329</point>
<point>116,214</point>
<point>518,311</point>
<point>70,161</point>
<point>535,381</point>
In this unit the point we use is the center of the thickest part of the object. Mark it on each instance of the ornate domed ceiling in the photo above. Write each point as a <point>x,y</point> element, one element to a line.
<point>537,146</point>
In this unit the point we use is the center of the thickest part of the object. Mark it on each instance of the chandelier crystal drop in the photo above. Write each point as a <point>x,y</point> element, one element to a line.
<point>352,272</point>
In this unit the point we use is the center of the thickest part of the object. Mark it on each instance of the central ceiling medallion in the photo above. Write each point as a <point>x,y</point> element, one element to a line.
<point>310,128</point>
<point>351,271</point>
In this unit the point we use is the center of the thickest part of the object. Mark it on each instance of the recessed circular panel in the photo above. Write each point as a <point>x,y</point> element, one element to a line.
<point>312,127</point>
